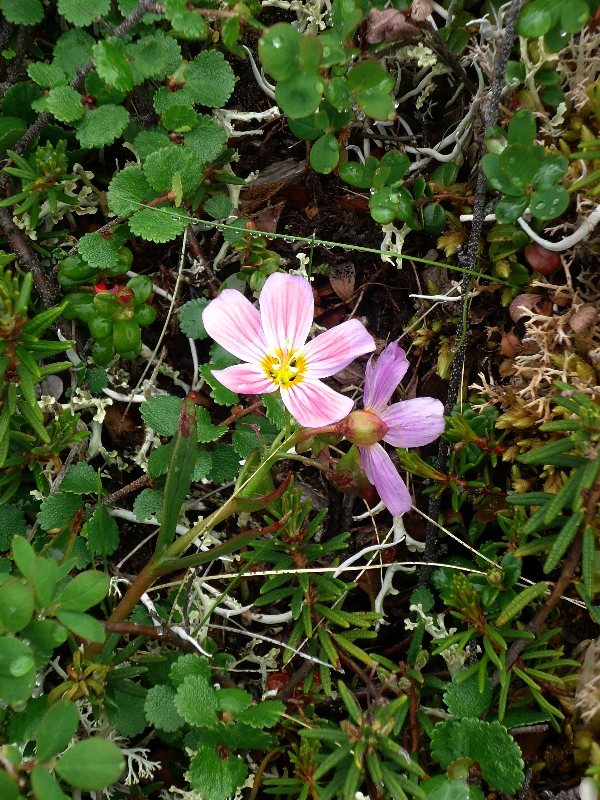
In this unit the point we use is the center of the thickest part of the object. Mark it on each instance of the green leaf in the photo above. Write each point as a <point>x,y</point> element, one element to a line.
<point>225,464</point>
<point>383,205</point>
<point>519,164</point>
<point>210,79</point>
<point>552,169</point>
<point>279,51</point>
<point>190,318</point>
<point>325,154</point>
<point>220,394</point>
<point>24,556</point>
<point>12,523</point>
<point>214,776</point>
<point>80,478</point>
<point>219,206</point>
<point>44,578</point>
<point>102,532</point>
<point>262,715</point>
<point>207,432</point>
<point>82,625</point>
<point>160,710</point>
<point>534,20</point>
<point>8,788</point>
<point>180,119</point>
<point>377,104</point>
<point>423,597</point>
<point>16,604</point>
<point>487,743</point>
<point>150,57</point>
<point>186,22</point>
<point>56,510</point>
<point>102,126</point>
<point>207,140</point>
<point>97,379</point>
<point>147,504</point>
<point>371,75</point>
<point>159,460</point>
<point>434,218</point>
<point>299,95</point>
<point>275,410</point>
<point>82,14</point>
<point>196,701</point>
<point>127,189</point>
<point>574,14</point>
<point>57,728</point>
<point>549,203</point>
<point>16,666</point>
<point>203,464</point>
<point>129,720</point>
<point>22,12</point>
<point>189,664</point>
<point>45,786</point>
<point>91,764</point>
<point>162,414</point>
<point>73,49</point>
<point>522,128</point>
<point>98,251</point>
<point>85,590</point>
<point>233,700</point>
<point>47,75</point>
<point>496,178</point>
<point>510,209</point>
<point>465,700</point>
<point>155,225</point>
<point>65,103</point>
<point>161,165</point>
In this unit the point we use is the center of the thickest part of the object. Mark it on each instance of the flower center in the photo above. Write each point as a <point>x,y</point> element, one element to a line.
<point>363,428</point>
<point>285,368</point>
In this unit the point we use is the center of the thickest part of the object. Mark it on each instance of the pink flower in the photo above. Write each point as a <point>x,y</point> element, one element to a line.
<point>273,345</point>
<point>409,423</point>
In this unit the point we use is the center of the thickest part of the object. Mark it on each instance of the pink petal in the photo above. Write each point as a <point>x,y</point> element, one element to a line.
<point>382,379</point>
<point>412,423</point>
<point>313,404</point>
<point>245,379</point>
<point>233,322</point>
<point>380,471</point>
<point>333,350</point>
<point>286,309</point>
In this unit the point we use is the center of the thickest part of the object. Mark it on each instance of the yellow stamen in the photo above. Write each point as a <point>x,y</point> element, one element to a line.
<point>285,368</point>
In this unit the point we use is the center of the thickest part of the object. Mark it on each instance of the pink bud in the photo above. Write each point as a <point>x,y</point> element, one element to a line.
<point>363,428</point>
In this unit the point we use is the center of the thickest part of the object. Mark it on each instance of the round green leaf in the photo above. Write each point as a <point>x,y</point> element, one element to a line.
<point>556,38</point>
<point>45,786</point>
<point>65,103</point>
<point>445,174</point>
<point>534,21</point>
<point>553,96</point>
<point>518,164</point>
<point>371,75</point>
<point>553,168</point>
<point>377,104</point>
<point>8,788</point>
<point>84,591</point>
<point>383,206</point>
<point>300,95</point>
<point>405,204</point>
<point>434,218</point>
<point>308,127</point>
<point>574,14</point>
<point>545,76</point>
<point>325,154</point>
<point>279,51</point>
<point>16,604</point>
<point>496,178</point>
<point>549,203</point>
<point>338,93</point>
<point>82,625</point>
<point>311,53</point>
<point>91,764</point>
<point>353,173</point>
<point>522,128</point>
<point>56,730</point>
<point>180,119</point>
<point>510,209</point>
<point>17,671</point>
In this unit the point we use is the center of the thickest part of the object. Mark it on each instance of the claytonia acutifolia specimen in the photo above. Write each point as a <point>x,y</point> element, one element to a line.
<point>410,423</point>
<point>273,345</point>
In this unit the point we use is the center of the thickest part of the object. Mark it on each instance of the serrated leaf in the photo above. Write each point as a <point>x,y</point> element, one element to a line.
<point>216,777</point>
<point>22,12</point>
<point>147,58</point>
<point>111,64</point>
<point>155,225</point>
<point>275,410</point>
<point>147,142</point>
<point>162,414</point>
<point>65,103</point>
<point>465,700</point>
<point>161,165</point>
<point>73,49</point>
<point>186,22</point>
<point>225,464</point>
<point>148,503</point>
<point>102,532</point>
<point>12,523</point>
<point>98,251</point>
<point>158,463</point>
<point>189,664</point>
<point>97,379</point>
<point>220,394</point>
<point>421,596</point>
<point>160,710</point>
<point>83,14</point>
<point>127,190</point>
<point>47,75</point>
<point>196,701</point>
<point>102,126</point>
<point>207,432</point>
<point>218,206</point>
<point>56,510</point>
<point>179,119</point>
<point>80,479</point>
<point>207,140</point>
<point>210,78</point>
<point>262,715</point>
<point>203,464</point>
<point>130,719</point>
<point>190,318</point>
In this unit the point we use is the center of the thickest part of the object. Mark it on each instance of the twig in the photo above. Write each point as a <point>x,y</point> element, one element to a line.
<point>469,263</point>
<point>285,692</point>
<point>17,62</point>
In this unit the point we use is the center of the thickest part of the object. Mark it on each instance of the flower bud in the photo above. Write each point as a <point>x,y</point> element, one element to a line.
<point>363,428</point>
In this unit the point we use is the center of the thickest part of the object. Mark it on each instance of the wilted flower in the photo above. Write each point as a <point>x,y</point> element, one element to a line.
<point>273,345</point>
<point>410,423</point>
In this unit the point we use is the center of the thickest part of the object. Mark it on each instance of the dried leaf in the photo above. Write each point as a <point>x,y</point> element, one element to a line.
<point>390,25</point>
<point>342,279</point>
